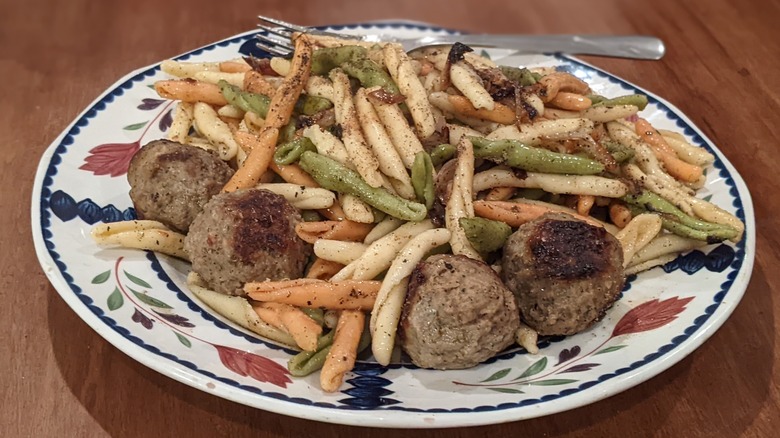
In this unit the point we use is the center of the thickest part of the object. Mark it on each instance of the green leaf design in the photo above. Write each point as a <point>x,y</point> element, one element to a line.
<point>507,390</point>
<point>137,280</point>
<point>154,302</point>
<point>484,54</point>
<point>135,126</point>
<point>186,342</point>
<point>115,300</point>
<point>498,375</point>
<point>708,197</point>
<point>101,278</point>
<point>536,368</point>
<point>552,382</point>
<point>610,349</point>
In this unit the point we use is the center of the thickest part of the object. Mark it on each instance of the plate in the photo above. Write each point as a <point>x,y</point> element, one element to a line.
<point>139,303</point>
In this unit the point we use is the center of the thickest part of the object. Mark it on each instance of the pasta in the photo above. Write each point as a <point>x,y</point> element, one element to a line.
<point>484,153</point>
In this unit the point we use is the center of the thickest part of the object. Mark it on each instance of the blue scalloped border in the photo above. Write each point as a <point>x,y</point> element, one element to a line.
<point>68,139</point>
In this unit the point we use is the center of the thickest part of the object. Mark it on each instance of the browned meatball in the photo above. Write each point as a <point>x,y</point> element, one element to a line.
<point>457,314</point>
<point>564,272</point>
<point>246,235</point>
<point>171,182</point>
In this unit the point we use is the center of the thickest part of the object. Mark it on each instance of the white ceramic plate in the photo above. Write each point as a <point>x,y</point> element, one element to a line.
<point>138,302</point>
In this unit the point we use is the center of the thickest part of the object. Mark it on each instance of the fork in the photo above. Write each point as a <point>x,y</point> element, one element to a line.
<point>277,36</point>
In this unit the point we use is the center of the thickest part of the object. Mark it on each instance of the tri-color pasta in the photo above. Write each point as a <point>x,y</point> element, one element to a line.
<point>342,131</point>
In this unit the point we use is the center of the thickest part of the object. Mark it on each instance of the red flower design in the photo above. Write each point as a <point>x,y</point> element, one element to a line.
<point>110,159</point>
<point>650,315</point>
<point>254,366</point>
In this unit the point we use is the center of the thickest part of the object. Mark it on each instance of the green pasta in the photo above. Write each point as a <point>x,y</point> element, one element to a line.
<point>515,154</point>
<point>422,179</point>
<point>290,152</point>
<point>485,235</point>
<point>334,176</point>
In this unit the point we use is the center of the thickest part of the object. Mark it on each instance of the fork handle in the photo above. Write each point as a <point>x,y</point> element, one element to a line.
<point>635,46</point>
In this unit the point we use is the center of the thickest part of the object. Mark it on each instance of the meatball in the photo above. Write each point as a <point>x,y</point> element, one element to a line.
<point>246,235</point>
<point>564,272</point>
<point>457,314</point>
<point>171,182</point>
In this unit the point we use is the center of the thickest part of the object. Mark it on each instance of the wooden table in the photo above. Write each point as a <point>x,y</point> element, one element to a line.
<point>59,378</point>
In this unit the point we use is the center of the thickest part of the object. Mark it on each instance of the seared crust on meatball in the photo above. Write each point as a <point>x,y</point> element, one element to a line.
<point>171,182</point>
<point>457,313</point>
<point>247,235</point>
<point>564,272</point>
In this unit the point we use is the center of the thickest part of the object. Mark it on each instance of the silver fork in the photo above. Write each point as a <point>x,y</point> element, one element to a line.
<point>276,34</point>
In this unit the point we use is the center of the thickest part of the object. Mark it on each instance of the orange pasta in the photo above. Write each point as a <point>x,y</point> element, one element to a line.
<point>515,214</point>
<point>585,203</point>
<point>500,193</point>
<point>283,100</point>
<point>234,67</point>
<point>674,165</point>
<point>347,294</point>
<point>343,352</point>
<point>292,173</point>
<point>560,81</point>
<point>570,101</point>
<point>293,321</point>
<point>262,151</point>
<point>333,230</point>
<point>189,90</point>
<point>269,315</point>
<point>619,214</point>
<point>254,82</point>
<point>323,269</point>
<point>499,114</point>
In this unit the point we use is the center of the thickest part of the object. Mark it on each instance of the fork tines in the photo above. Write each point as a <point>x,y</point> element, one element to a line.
<point>276,35</point>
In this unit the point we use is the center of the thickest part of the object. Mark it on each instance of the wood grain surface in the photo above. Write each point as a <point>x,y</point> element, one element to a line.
<point>59,378</point>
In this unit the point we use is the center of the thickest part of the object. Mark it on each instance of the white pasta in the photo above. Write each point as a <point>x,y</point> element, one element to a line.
<point>387,307</point>
<point>599,114</point>
<point>637,234</point>
<point>187,69</point>
<point>230,111</point>
<point>460,204</point>
<point>302,197</point>
<point>215,130</point>
<point>213,77</point>
<point>327,144</point>
<point>355,209</point>
<point>320,87</point>
<point>389,161</point>
<point>664,245</point>
<point>458,132</point>
<point>561,184</point>
<point>182,121</point>
<point>387,226</point>
<point>281,66</point>
<point>401,134</point>
<point>686,151</point>
<point>338,250</point>
<point>527,338</point>
<point>381,252</point>
<point>141,234</point>
<point>402,72</point>
<point>548,130</point>
<point>238,310</point>
<point>364,160</point>
<point>465,79</point>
